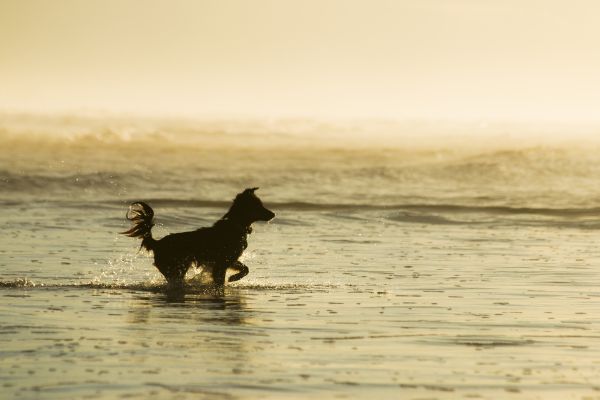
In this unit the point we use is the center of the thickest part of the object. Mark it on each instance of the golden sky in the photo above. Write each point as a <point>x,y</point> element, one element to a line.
<point>498,59</point>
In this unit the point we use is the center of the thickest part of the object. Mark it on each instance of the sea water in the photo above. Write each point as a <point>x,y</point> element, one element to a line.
<point>410,261</point>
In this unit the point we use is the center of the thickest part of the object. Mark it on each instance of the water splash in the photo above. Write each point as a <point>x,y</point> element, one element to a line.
<point>21,283</point>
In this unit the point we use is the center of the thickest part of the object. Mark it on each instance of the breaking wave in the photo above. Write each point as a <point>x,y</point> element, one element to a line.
<point>304,165</point>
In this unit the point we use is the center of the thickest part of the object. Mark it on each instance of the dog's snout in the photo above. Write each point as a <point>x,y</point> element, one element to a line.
<point>269,215</point>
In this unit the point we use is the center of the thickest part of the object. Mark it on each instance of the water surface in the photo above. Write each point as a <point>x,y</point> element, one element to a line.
<point>399,271</point>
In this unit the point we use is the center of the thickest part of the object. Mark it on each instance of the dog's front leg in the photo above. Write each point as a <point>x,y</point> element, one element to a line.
<point>218,274</point>
<point>242,271</point>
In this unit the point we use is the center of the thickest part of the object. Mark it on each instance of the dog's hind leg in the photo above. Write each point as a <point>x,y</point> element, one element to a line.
<point>173,270</point>
<point>242,271</point>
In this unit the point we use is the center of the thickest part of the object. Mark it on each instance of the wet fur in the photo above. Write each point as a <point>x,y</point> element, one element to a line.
<point>215,248</point>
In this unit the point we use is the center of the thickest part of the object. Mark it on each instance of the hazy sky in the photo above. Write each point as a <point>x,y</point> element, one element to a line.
<point>523,59</point>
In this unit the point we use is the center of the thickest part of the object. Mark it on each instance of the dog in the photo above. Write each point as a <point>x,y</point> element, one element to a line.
<point>216,248</point>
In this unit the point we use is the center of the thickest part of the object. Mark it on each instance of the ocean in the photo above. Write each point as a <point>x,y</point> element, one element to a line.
<point>407,260</point>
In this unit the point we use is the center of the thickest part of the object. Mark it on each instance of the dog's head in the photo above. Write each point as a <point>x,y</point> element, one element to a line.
<point>250,208</point>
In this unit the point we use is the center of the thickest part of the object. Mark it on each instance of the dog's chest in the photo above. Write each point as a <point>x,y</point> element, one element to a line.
<point>223,241</point>
<point>237,244</point>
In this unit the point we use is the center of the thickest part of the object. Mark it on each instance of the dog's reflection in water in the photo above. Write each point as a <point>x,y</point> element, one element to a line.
<point>207,306</point>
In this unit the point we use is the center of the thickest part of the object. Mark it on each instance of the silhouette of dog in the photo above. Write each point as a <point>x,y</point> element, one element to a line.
<point>215,248</point>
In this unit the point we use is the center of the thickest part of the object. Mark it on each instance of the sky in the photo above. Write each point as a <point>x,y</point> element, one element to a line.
<point>533,60</point>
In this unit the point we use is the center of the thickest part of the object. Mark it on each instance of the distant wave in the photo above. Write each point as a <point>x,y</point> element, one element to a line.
<point>441,208</point>
<point>31,181</point>
<point>424,208</point>
<point>112,130</point>
<point>109,163</point>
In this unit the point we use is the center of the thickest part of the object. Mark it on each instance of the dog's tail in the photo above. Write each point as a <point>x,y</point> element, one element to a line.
<point>141,214</point>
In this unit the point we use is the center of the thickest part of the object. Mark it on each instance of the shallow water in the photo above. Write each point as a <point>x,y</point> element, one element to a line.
<point>369,295</point>
<point>441,311</point>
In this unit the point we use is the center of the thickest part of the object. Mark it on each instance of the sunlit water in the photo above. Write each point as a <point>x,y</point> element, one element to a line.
<point>390,272</point>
